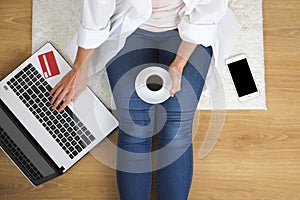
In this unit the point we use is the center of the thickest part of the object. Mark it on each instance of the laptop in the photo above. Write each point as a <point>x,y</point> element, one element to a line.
<point>44,143</point>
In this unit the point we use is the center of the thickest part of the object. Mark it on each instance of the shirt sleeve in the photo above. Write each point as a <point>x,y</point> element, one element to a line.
<point>199,19</point>
<point>94,22</point>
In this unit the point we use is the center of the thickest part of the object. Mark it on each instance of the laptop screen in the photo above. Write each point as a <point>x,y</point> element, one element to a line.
<point>23,150</point>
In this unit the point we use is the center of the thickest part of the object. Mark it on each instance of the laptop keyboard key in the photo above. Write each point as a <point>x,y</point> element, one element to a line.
<point>41,87</point>
<point>64,140</point>
<point>71,148</point>
<point>77,138</point>
<point>67,144</point>
<point>70,138</point>
<point>49,88</point>
<point>75,153</point>
<point>78,148</point>
<point>73,142</point>
<point>66,134</point>
<point>82,144</point>
<point>85,139</point>
<point>26,96</point>
<point>92,138</point>
<point>35,89</point>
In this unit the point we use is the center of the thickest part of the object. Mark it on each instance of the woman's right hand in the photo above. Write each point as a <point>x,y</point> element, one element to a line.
<point>69,88</point>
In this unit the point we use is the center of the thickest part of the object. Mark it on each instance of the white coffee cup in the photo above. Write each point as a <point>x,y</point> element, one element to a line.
<point>153,85</point>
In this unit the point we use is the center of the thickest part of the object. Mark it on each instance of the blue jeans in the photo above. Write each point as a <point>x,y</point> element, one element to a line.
<point>170,121</point>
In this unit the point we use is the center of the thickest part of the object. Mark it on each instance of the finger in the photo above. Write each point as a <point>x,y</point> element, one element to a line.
<point>173,89</point>
<point>60,98</point>
<point>66,102</point>
<point>56,94</point>
<point>55,88</point>
<point>171,93</point>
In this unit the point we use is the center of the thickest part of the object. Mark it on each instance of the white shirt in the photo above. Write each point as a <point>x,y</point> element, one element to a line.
<point>198,19</point>
<point>105,25</point>
<point>165,15</point>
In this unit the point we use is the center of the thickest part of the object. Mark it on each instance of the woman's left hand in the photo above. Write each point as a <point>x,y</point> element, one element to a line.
<point>175,72</point>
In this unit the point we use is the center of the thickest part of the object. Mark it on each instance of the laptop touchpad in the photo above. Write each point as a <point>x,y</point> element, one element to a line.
<point>84,103</point>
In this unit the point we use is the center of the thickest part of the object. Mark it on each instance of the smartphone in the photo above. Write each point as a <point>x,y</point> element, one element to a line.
<point>242,78</point>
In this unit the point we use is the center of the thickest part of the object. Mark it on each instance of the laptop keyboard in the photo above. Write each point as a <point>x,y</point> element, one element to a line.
<point>65,128</point>
<point>20,157</point>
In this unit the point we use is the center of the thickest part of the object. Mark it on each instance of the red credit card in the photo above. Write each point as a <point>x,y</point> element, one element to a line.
<point>49,65</point>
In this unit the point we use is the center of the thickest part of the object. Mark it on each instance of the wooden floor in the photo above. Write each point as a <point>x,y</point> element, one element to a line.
<point>257,156</point>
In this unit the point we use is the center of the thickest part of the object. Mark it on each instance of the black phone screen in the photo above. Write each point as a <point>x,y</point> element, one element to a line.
<point>242,77</point>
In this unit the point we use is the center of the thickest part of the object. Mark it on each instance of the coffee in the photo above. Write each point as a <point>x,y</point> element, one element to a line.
<point>154,83</point>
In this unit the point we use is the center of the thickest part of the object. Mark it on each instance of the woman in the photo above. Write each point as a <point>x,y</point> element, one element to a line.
<point>127,36</point>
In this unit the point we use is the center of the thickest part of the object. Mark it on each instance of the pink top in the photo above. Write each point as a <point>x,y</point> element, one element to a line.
<point>164,15</point>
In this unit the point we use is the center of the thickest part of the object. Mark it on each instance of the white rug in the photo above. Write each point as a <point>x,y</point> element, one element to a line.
<point>56,21</point>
